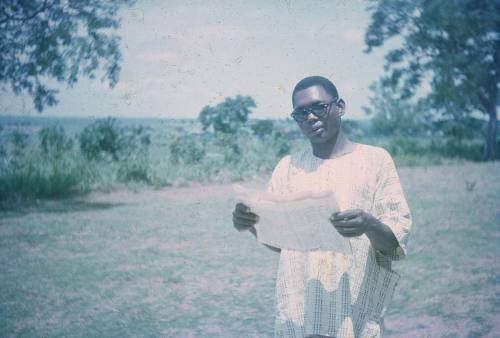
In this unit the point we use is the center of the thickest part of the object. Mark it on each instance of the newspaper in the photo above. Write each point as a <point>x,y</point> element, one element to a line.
<point>297,222</point>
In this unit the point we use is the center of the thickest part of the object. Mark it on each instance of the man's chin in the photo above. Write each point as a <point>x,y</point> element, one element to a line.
<point>318,139</point>
<point>321,138</point>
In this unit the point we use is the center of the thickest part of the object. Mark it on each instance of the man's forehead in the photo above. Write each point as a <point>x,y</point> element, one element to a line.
<point>311,95</point>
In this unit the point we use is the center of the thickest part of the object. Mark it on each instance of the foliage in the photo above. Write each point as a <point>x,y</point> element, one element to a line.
<point>281,144</point>
<point>453,46</point>
<point>263,128</point>
<point>46,165</point>
<point>355,129</point>
<point>19,141</point>
<point>43,41</point>
<point>53,141</point>
<point>135,169</point>
<point>44,169</point>
<point>392,116</point>
<point>134,155</point>
<point>230,145</point>
<point>228,116</point>
<point>101,138</point>
<point>187,149</point>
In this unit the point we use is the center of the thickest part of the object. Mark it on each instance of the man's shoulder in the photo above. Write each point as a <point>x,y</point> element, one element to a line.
<point>375,152</point>
<point>283,162</point>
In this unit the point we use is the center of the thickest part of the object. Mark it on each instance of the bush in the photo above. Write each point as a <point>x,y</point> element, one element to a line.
<point>134,155</point>
<point>263,128</point>
<point>405,146</point>
<point>48,169</point>
<point>281,144</point>
<point>53,141</point>
<point>101,138</point>
<point>134,171</point>
<point>187,149</point>
<point>228,116</point>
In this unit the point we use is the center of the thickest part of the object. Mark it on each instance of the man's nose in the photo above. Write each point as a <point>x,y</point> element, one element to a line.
<point>311,116</point>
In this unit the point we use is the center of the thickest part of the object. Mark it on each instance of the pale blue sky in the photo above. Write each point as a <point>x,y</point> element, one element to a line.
<point>179,56</point>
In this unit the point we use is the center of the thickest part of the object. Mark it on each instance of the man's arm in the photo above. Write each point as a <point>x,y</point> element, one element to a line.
<point>381,237</point>
<point>354,222</point>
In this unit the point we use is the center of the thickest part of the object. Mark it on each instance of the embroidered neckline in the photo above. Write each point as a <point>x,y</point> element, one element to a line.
<point>310,154</point>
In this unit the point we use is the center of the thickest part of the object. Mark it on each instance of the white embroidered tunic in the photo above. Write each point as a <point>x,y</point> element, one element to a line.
<point>328,293</point>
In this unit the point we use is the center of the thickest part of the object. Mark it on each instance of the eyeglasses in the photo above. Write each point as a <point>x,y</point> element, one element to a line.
<point>321,110</point>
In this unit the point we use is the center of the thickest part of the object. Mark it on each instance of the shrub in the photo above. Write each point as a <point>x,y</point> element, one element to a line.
<point>187,149</point>
<point>263,128</point>
<point>281,144</point>
<point>48,169</point>
<point>135,170</point>
<point>101,138</point>
<point>53,141</point>
<point>230,145</point>
<point>19,141</point>
<point>405,146</point>
<point>228,116</point>
<point>134,155</point>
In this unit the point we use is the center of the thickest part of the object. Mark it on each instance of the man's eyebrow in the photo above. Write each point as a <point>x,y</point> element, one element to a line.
<point>311,104</point>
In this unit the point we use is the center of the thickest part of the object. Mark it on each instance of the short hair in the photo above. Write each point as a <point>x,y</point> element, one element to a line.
<point>310,81</point>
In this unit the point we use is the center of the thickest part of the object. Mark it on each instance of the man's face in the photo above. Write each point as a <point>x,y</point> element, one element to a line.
<point>317,129</point>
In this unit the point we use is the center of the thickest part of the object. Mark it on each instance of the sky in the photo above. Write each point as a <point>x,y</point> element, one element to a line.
<point>179,56</point>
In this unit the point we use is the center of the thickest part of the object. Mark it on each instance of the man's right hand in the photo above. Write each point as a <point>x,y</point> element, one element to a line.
<point>243,218</point>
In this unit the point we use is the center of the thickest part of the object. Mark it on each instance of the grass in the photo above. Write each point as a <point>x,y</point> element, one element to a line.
<point>168,263</point>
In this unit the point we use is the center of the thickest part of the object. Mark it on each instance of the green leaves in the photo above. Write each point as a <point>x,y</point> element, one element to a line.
<point>228,116</point>
<point>42,41</point>
<point>452,45</point>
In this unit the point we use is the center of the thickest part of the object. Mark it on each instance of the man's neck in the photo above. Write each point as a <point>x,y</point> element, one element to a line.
<point>338,146</point>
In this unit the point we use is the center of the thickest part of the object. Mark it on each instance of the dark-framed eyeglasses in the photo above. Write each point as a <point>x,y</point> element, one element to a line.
<point>321,110</point>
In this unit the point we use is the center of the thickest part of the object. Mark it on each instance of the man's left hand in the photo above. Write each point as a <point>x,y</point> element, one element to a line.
<point>353,222</point>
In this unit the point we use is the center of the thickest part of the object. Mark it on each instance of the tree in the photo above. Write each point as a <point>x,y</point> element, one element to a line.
<point>228,116</point>
<point>43,41</point>
<point>453,44</point>
<point>392,116</point>
<point>263,128</point>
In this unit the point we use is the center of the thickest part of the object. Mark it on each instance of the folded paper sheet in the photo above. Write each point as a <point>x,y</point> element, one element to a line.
<point>296,222</point>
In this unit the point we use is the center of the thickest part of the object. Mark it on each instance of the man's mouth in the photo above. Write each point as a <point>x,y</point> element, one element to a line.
<point>317,131</point>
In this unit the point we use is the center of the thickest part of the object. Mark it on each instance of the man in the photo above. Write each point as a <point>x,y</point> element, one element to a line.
<point>325,293</point>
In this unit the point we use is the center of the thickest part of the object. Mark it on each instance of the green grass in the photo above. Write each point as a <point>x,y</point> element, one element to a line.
<point>169,263</point>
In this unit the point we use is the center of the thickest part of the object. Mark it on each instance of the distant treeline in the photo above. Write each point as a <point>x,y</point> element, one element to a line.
<point>49,162</point>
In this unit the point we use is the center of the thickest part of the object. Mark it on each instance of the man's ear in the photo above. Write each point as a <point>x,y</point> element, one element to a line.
<point>341,107</point>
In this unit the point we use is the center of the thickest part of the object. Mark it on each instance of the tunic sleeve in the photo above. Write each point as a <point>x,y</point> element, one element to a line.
<point>391,208</point>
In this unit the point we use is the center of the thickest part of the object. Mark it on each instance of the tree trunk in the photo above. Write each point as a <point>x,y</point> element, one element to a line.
<point>491,134</point>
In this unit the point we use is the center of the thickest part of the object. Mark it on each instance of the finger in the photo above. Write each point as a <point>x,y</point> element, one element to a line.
<point>242,207</point>
<point>349,233</point>
<point>349,230</point>
<point>238,218</point>
<point>243,223</point>
<point>344,224</point>
<point>248,215</point>
<point>347,214</point>
<point>241,227</point>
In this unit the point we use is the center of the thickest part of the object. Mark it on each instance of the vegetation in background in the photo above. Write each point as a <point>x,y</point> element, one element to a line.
<point>453,47</point>
<point>47,164</point>
<point>39,166</point>
<point>105,155</point>
<point>229,116</point>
